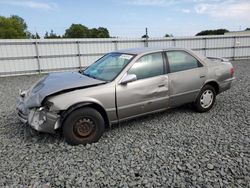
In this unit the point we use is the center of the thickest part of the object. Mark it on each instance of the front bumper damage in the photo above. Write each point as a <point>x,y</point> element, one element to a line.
<point>39,119</point>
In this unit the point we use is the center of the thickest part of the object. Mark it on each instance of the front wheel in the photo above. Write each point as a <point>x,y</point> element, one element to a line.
<point>205,99</point>
<point>82,126</point>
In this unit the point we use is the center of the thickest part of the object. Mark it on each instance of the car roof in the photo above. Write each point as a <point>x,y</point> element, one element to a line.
<point>137,51</point>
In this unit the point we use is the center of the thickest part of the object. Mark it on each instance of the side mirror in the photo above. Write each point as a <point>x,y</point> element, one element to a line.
<point>128,78</point>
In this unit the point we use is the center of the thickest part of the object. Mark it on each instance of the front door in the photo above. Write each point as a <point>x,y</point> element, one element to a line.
<point>187,76</point>
<point>149,93</point>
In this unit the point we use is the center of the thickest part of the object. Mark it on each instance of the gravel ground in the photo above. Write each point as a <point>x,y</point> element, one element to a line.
<point>178,148</point>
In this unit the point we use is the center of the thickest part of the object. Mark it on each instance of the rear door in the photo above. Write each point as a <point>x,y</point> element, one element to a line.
<point>149,92</point>
<point>186,77</point>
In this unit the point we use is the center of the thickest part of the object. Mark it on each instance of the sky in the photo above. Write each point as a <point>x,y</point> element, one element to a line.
<point>129,18</point>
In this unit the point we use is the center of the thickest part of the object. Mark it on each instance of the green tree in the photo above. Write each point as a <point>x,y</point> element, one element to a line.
<point>167,35</point>
<point>212,32</point>
<point>247,29</point>
<point>32,36</point>
<point>21,21</point>
<point>94,33</point>
<point>13,27</point>
<point>81,31</point>
<point>51,35</point>
<point>36,36</point>
<point>77,31</point>
<point>103,32</point>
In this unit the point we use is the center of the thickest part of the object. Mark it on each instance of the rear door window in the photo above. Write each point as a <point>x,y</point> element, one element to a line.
<point>180,61</point>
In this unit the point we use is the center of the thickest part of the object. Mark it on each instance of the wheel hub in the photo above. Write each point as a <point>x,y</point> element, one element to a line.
<point>84,127</point>
<point>206,98</point>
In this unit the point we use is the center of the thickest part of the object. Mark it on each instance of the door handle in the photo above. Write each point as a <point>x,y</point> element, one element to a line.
<point>162,85</point>
<point>202,76</point>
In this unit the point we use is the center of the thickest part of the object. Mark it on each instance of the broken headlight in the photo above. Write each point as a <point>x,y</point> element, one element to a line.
<point>47,105</point>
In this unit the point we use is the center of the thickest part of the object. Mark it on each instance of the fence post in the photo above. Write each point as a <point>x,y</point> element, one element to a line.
<point>205,46</point>
<point>79,54</point>
<point>37,56</point>
<point>174,42</point>
<point>115,44</point>
<point>235,45</point>
<point>145,42</point>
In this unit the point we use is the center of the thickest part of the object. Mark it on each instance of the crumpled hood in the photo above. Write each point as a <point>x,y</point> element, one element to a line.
<point>58,82</point>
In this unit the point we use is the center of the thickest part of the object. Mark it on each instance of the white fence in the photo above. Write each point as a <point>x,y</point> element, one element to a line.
<point>26,56</point>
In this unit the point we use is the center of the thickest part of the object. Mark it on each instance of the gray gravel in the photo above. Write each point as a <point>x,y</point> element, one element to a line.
<point>178,148</point>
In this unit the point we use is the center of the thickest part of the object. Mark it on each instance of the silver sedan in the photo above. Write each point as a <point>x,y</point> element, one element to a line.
<point>122,85</point>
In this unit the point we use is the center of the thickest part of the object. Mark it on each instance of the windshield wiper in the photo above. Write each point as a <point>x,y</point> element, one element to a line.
<point>91,76</point>
<point>88,75</point>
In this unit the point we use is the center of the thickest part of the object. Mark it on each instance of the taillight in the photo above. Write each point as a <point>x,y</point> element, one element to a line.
<point>232,71</point>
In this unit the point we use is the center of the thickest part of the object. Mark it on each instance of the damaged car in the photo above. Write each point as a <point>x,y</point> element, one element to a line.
<point>119,86</point>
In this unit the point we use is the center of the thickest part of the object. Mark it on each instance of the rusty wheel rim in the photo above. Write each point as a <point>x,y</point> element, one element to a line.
<point>84,127</point>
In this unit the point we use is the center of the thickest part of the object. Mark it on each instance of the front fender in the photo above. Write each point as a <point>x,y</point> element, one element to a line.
<point>60,104</point>
<point>103,96</point>
<point>89,104</point>
<point>66,101</point>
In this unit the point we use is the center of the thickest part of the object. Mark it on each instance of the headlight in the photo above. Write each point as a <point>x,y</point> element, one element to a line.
<point>24,93</point>
<point>47,105</point>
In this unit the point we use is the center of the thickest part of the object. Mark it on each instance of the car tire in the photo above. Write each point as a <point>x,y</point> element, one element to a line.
<point>83,126</point>
<point>205,99</point>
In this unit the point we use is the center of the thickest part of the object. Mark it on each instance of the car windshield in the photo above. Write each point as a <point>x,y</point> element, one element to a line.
<point>108,67</point>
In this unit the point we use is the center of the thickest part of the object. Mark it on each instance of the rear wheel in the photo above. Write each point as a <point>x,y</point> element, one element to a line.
<point>206,98</point>
<point>82,126</point>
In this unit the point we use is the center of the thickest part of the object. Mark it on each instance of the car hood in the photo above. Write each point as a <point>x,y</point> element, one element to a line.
<point>57,83</point>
